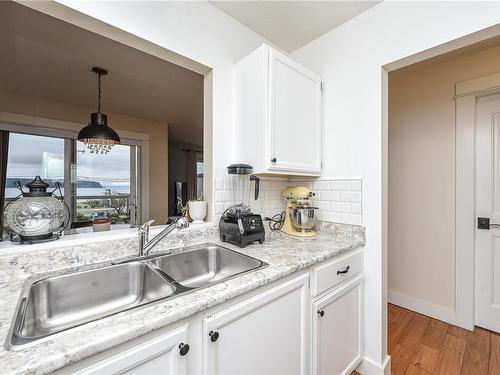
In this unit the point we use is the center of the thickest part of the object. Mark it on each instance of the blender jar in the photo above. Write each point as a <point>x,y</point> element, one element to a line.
<point>240,177</point>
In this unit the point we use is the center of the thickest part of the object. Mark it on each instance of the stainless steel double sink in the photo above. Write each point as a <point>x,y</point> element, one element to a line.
<point>54,304</point>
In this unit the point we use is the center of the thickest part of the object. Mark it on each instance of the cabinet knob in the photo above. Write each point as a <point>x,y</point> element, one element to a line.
<point>274,160</point>
<point>345,270</point>
<point>214,336</point>
<point>321,313</point>
<point>183,349</point>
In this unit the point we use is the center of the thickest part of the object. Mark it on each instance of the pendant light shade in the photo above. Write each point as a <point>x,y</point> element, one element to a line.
<point>97,135</point>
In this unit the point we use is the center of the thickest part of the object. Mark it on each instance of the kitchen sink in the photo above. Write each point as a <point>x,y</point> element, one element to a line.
<point>205,266</point>
<point>57,303</point>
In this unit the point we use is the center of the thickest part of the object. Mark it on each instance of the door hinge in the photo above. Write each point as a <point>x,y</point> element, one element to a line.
<point>321,86</point>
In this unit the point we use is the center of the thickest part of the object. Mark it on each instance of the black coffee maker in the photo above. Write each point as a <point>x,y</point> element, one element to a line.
<point>238,225</point>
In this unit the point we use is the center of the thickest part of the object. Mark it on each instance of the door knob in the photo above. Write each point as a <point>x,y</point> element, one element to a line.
<point>214,336</point>
<point>321,313</point>
<point>484,223</point>
<point>183,349</point>
<point>274,160</point>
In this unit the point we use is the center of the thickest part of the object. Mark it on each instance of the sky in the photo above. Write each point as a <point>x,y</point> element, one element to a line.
<point>26,155</point>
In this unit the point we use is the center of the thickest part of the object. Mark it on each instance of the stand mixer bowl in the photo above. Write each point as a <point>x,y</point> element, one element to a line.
<point>303,218</point>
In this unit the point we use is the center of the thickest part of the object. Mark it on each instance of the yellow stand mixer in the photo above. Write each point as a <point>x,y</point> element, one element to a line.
<point>300,216</point>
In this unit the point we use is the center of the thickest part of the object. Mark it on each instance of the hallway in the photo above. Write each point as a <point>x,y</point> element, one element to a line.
<point>420,345</point>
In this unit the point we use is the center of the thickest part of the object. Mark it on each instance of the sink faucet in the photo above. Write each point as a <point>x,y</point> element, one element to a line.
<point>145,244</point>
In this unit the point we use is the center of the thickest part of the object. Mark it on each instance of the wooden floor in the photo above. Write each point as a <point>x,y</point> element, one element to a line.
<point>420,345</point>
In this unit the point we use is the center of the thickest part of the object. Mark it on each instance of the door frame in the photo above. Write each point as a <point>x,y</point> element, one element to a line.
<point>466,95</point>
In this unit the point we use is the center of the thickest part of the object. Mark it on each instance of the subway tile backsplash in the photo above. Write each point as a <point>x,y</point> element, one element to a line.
<point>339,201</point>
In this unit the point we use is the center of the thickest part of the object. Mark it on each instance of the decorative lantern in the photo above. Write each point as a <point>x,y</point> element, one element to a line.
<point>37,214</point>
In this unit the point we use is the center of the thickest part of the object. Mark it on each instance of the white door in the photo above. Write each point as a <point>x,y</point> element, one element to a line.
<point>294,142</point>
<point>266,334</point>
<point>487,248</point>
<point>337,330</point>
<point>166,355</point>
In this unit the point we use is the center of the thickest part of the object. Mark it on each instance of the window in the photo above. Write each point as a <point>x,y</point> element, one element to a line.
<point>92,184</point>
<point>31,155</point>
<point>103,184</point>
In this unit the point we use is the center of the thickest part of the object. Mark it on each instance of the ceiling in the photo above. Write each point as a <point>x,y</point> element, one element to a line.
<point>292,24</point>
<point>47,58</point>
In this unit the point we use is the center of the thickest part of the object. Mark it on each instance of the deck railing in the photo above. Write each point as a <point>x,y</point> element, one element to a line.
<point>117,203</point>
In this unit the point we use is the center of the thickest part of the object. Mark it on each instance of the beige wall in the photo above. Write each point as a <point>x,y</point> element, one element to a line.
<point>158,132</point>
<point>421,175</point>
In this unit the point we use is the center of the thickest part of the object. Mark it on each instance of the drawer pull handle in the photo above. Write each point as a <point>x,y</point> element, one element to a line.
<point>321,313</point>
<point>183,349</point>
<point>345,270</point>
<point>214,336</point>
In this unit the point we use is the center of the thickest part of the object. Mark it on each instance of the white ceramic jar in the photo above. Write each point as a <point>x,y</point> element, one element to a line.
<point>197,211</point>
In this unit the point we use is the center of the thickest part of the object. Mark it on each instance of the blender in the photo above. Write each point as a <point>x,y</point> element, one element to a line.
<point>239,225</point>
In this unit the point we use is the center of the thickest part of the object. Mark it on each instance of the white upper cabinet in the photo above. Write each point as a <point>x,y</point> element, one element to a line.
<point>278,115</point>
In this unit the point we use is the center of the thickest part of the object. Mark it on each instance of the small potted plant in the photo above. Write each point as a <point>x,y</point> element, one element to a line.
<point>101,222</point>
<point>197,210</point>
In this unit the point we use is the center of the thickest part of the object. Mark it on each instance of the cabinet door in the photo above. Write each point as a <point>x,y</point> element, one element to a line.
<point>294,123</point>
<point>266,334</point>
<point>161,355</point>
<point>337,330</point>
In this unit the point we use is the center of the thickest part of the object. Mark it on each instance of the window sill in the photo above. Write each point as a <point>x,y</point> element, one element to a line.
<point>85,236</point>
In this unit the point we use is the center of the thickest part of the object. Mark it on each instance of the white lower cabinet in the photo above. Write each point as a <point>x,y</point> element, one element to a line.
<point>286,328</point>
<point>166,355</point>
<point>266,334</point>
<point>337,328</point>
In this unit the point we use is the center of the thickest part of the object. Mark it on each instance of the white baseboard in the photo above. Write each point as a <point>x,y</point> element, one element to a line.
<point>423,307</point>
<point>368,367</point>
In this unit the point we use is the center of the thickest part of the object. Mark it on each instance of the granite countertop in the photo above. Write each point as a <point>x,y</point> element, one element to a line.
<point>285,256</point>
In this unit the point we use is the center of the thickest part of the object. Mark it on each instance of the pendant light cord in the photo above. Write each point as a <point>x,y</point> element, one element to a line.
<point>99,93</point>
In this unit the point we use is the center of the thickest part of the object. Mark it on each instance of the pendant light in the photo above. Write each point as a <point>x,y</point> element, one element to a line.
<point>97,135</point>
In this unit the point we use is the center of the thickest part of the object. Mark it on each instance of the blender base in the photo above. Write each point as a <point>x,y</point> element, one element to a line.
<point>242,230</point>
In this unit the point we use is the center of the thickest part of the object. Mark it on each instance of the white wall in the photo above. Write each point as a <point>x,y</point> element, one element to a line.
<point>350,60</point>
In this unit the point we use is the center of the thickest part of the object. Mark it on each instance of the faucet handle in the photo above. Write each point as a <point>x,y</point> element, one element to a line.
<point>182,223</point>
<point>144,228</point>
<point>143,232</point>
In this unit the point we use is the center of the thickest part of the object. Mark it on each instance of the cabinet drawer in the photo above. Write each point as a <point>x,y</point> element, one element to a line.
<point>335,271</point>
